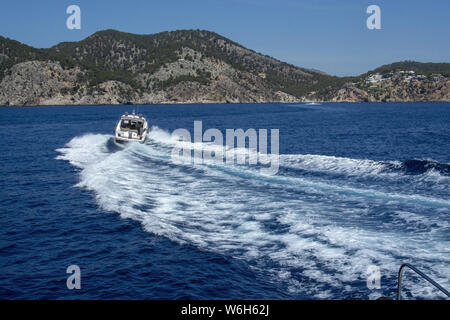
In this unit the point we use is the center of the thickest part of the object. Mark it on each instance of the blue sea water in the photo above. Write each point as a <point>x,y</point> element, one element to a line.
<point>358,185</point>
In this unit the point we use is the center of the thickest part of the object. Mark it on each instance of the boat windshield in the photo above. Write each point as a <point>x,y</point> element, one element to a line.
<point>129,124</point>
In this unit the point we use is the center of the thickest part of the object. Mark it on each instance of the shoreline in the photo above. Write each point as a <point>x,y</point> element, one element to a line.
<point>213,103</point>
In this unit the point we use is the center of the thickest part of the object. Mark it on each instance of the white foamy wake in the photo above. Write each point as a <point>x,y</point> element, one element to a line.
<point>316,238</point>
<point>361,167</point>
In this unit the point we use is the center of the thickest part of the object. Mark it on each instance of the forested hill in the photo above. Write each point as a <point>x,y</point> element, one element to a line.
<point>192,66</point>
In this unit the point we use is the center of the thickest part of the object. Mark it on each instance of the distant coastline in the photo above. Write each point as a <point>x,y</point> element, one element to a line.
<point>193,66</point>
<point>218,103</point>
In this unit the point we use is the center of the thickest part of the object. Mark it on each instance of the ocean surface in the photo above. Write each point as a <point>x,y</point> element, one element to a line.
<point>358,185</point>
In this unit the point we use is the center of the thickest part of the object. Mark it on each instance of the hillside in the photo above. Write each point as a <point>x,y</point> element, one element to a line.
<point>112,67</point>
<point>406,81</point>
<point>418,67</point>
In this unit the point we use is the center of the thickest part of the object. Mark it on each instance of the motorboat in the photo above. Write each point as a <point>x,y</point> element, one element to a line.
<point>131,127</point>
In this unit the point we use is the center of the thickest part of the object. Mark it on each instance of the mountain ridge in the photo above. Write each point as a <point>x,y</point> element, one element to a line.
<point>192,66</point>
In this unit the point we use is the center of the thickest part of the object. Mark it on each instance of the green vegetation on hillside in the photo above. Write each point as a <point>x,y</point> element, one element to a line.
<point>427,68</point>
<point>176,80</point>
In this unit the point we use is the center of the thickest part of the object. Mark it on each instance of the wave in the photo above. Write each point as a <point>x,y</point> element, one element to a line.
<point>358,167</point>
<point>312,162</point>
<point>316,238</point>
<point>416,167</point>
<point>348,166</point>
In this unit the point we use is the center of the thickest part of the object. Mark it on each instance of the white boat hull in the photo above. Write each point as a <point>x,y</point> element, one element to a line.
<point>131,128</point>
<point>124,139</point>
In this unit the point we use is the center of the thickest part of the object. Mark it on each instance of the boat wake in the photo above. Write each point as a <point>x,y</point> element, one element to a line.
<point>314,228</point>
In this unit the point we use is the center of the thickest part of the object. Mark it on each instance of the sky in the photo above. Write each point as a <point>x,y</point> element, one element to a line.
<point>328,35</point>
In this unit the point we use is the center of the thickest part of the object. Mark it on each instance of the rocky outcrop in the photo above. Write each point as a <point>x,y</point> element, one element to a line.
<point>110,92</point>
<point>424,90</point>
<point>32,82</point>
<point>350,93</point>
<point>396,91</point>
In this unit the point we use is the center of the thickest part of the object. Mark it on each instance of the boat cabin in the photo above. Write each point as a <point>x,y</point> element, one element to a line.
<point>130,123</point>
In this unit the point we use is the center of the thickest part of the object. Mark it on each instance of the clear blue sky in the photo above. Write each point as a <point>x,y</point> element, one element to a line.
<point>328,35</point>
